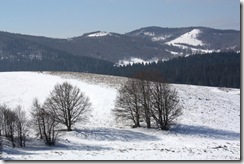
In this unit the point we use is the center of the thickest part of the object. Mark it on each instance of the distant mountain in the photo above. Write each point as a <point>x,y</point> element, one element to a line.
<point>143,45</point>
<point>107,46</point>
<point>191,40</point>
<point>28,53</point>
<point>114,47</point>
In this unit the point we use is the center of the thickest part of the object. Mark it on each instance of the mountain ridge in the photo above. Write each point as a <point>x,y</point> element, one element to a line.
<point>146,44</point>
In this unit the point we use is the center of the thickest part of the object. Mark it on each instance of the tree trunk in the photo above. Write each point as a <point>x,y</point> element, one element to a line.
<point>138,120</point>
<point>69,120</point>
<point>148,121</point>
<point>40,129</point>
<point>69,127</point>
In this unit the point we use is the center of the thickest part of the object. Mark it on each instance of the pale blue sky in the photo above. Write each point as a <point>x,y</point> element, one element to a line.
<point>68,18</point>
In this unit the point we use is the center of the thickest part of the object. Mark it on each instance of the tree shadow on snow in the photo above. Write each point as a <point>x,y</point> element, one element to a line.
<point>206,132</point>
<point>58,149</point>
<point>62,146</point>
<point>16,151</point>
<point>110,134</point>
<point>82,147</point>
<point>12,151</point>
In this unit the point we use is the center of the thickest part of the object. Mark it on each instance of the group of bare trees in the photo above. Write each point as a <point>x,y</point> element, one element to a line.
<point>44,123</point>
<point>64,106</point>
<point>148,98</point>
<point>13,125</point>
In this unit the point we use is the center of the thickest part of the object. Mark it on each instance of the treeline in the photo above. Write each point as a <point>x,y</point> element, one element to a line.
<point>214,69</point>
<point>53,60</point>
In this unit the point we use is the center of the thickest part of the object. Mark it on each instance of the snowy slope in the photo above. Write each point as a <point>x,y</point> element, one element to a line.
<point>23,87</point>
<point>189,38</point>
<point>99,34</point>
<point>209,128</point>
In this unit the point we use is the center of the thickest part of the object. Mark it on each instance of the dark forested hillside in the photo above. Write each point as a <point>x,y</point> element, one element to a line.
<point>53,60</point>
<point>215,69</point>
<point>111,47</point>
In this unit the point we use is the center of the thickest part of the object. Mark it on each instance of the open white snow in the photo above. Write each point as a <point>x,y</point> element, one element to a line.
<point>174,53</point>
<point>134,60</point>
<point>156,38</point>
<point>209,128</point>
<point>189,38</point>
<point>99,34</point>
<point>149,33</point>
<point>162,37</point>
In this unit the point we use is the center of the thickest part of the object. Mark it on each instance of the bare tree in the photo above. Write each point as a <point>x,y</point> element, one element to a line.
<point>67,103</point>
<point>127,103</point>
<point>145,95</point>
<point>44,123</point>
<point>1,129</point>
<point>21,126</point>
<point>146,101</point>
<point>159,100</point>
<point>134,100</point>
<point>1,119</point>
<point>166,107</point>
<point>49,127</point>
<point>9,124</point>
<point>36,110</point>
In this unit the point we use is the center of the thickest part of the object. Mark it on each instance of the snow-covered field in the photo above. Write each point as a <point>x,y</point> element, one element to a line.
<point>209,128</point>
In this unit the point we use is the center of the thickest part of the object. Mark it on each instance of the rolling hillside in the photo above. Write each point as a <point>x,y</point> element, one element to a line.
<point>209,128</point>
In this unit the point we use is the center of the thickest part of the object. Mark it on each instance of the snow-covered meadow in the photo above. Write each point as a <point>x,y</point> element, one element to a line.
<point>209,128</point>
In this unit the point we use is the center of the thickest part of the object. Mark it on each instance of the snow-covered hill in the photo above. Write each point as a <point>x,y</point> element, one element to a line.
<point>189,38</point>
<point>209,128</point>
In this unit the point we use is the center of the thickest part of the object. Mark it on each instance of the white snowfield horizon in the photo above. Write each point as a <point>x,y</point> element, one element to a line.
<point>209,128</point>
